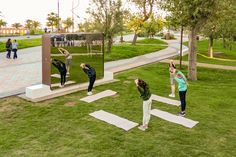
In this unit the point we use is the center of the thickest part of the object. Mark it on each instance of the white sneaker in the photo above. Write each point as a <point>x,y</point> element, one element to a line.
<point>61,86</point>
<point>89,93</point>
<point>172,95</point>
<point>141,128</point>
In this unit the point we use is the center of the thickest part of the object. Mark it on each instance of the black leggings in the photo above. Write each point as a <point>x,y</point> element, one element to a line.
<point>8,53</point>
<point>15,53</point>
<point>63,78</point>
<point>182,96</point>
<point>91,83</point>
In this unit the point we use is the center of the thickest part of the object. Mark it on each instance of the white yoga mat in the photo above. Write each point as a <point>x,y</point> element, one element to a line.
<point>165,100</point>
<point>97,96</point>
<point>174,118</point>
<point>114,120</point>
<point>57,75</point>
<point>66,83</point>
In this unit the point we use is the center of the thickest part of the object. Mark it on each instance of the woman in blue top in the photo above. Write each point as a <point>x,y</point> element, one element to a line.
<point>182,87</point>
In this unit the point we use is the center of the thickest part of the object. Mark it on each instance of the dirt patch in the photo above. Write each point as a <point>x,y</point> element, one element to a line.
<point>7,108</point>
<point>132,77</point>
<point>127,82</point>
<point>70,104</point>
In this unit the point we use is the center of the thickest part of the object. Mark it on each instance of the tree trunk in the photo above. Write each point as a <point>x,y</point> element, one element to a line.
<point>181,47</point>
<point>223,40</point>
<point>192,57</point>
<point>210,47</point>
<point>109,46</point>
<point>135,38</point>
<point>121,38</point>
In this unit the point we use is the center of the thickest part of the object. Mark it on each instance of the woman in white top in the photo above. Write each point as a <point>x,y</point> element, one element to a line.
<point>68,58</point>
<point>14,49</point>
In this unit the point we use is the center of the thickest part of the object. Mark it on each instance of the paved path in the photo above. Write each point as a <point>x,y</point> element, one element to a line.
<point>204,65</point>
<point>4,39</point>
<point>15,75</point>
<point>125,64</point>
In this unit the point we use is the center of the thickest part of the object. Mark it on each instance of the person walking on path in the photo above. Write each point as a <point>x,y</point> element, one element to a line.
<point>14,49</point>
<point>62,69</point>
<point>145,94</point>
<point>68,59</point>
<point>8,48</point>
<point>172,78</point>
<point>182,87</point>
<point>91,73</point>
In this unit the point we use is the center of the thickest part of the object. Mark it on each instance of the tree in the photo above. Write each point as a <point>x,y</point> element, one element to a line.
<point>52,20</point>
<point>68,23</point>
<point>35,25</point>
<point>105,16</point>
<point>28,24</point>
<point>153,26</point>
<point>221,24</point>
<point>16,25</point>
<point>146,10</point>
<point>2,23</point>
<point>194,14</point>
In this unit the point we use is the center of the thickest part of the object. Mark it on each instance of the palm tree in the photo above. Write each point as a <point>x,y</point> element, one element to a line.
<point>36,24</point>
<point>28,24</point>
<point>2,23</point>
<point>16,25</point>
<point>68,23</point>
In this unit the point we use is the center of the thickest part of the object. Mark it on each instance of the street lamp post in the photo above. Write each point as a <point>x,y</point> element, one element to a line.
<point>58,14</point>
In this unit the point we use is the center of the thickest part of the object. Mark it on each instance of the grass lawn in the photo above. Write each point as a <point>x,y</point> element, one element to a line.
<point>220,53</point>
<point>52,129</point>
<point>123,51</point>
<point>24,43</point>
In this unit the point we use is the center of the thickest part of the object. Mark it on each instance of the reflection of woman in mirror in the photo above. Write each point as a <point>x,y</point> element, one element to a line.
<point>62,69</point>
<point>68,58</point>
<point>90,71</point>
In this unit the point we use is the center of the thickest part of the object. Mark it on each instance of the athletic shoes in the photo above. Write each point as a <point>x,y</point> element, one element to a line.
<point>182,114</point>
<point>141,127</point>
<point>89,93</point>
<point>172,95</point>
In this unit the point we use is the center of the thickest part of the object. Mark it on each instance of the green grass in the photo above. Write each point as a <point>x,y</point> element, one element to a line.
<point>123,51</point>
<point>51,129</point>
<point>225,53</point>
<point>24,43</point>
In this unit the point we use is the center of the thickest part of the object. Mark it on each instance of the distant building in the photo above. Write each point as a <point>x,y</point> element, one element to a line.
<point>12,31</point>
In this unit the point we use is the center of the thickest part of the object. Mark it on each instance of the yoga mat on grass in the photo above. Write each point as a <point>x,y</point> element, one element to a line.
<point>97,96</point>
<point>165,100</point>
<point>174,118</point>
<point>114,120</point>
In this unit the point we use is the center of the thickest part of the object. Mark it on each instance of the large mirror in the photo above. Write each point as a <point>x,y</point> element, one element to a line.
<point>69,51</point>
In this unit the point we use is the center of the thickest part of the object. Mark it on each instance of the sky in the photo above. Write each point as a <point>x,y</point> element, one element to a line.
<point>21,10</point>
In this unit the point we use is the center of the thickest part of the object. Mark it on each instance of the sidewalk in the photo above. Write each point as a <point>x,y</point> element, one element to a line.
<point>204,65</point>
<point>15,75</point>
<point>171,51</point>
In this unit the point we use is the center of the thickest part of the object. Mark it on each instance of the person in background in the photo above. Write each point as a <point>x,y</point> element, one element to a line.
<point>145,94</point>
<point>62,69</point>
<point>172,78</point>
<point>68,59</point>
<point>14,49</point>
<point>8,48</point>
<point>182,87</point>
<point>91,73</point>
